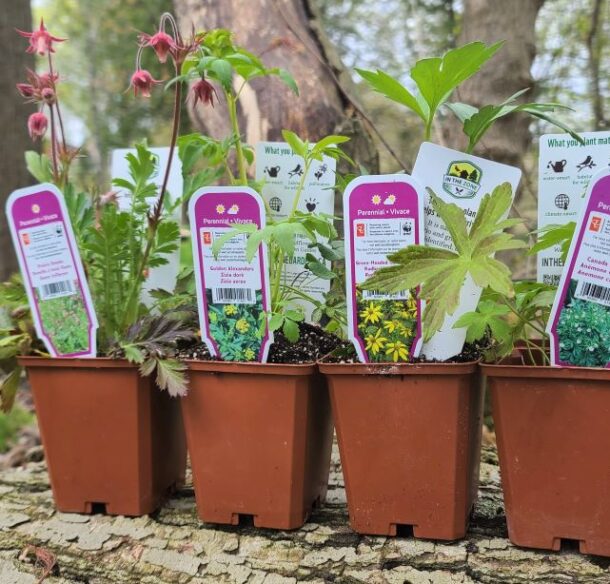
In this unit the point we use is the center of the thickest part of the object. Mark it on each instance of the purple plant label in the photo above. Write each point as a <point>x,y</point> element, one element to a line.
<point>382,214</point>
<point>579,324</point>
<point>52,271</point>
<point>232,292</point>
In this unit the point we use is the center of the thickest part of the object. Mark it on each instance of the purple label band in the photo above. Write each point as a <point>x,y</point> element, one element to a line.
<point>35,207</point>
<point>597,200</point>
<point>379,197</point>
<point>219,207</point>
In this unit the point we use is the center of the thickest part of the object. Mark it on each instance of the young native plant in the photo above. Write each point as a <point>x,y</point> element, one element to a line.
<point>440,273</point>
<point>436,80</point>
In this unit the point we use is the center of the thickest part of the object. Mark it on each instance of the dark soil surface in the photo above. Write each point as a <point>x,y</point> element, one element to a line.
<point>313,343</point>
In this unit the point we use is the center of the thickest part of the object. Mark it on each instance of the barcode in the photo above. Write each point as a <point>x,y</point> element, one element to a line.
<point>55,289</point>
<point>594,292</point>
<point>378,295</point>
<point>232,296</point>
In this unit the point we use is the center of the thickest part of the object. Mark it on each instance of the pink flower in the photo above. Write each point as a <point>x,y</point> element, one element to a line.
<point>26,90</point>
<point>47,80</point>
<point>41,41</point>
<point>48,95</point>
<point>109,198</point>
<point>161,42</point>
<point>204,91</point>
<point>37,125</point>
<point>142,82</point>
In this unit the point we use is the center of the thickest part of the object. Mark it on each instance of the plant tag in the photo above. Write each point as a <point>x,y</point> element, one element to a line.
<point>382,214</point>
<point>232,293</point>
<point>282,170</point>
<point>165,276</point>
<point>579,324</point>
<point>52,271</point>
<point>565,168</point>
<point>462,179</point>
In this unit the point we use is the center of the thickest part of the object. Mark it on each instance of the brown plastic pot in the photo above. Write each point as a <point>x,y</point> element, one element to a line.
<point>260,438</point>
<point>113,441</point>
<point>553,433</point>
<point>409,438</point>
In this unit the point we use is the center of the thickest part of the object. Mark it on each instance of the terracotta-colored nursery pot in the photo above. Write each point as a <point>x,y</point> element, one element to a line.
<point>113,441</point>
<point>259,437</point>
<point>409,438</point>
<point>553,433</point>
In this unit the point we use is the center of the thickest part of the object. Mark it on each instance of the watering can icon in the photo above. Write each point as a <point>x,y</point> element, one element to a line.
<point>557,166</point>
<point>272,171</point>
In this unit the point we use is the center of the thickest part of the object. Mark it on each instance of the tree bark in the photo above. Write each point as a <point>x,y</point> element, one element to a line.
<point>13,117</point>
<point>594,47</point>
<point>288,34</point>
<point>509,71</point>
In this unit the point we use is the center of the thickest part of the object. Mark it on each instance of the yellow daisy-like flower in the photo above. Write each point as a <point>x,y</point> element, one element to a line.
<point>397,351</point>
<point>242,325</point>
<point>409,309</point>
<point>372,313</point>
<point>390,325</point>
<point>249,354</point>
<point>406,331</point>
<point>375,343</point>
<point>230,309</point>
<point>376,199</point>
<point>220,209</point>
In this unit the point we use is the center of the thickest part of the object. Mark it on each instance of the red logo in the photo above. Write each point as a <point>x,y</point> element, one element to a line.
<point>207,238</point>
<point>359,229</point>
<point>596,223</point>
<point>25,237</point>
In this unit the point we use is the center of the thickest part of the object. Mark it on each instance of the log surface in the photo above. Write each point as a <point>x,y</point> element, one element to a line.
<point>173,546</point>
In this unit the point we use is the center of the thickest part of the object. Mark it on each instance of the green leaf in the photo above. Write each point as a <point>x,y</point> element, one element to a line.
<point>38,166</point>
<point>171,376</point>
<point>291,330</point>
<point>489,315</point>
<point>288,79</point>
<point>133,354</point>
<point>294,315</point>
<point>319,269</point>
<point>276,321</point>
<point>386,85</point>
<point>298,146</point>
<point>553,235</point>
<point>223,72</point>
<point>8,389</point>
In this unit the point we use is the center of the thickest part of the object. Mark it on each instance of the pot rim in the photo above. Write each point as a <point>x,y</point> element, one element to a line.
<point>550,372</point>
<point>250,368</point>
<point>74,362</point>
<point>393,369</point>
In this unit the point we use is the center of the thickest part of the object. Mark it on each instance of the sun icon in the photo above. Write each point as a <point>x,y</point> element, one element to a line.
<point>376,199</point>
<point>35,208</point>
<point>220,209</point>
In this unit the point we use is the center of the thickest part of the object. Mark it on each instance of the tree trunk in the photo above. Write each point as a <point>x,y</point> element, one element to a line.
<point>13,117</point>
<point>508,72</point>
<point>594,50</point>
<point>288,34</point>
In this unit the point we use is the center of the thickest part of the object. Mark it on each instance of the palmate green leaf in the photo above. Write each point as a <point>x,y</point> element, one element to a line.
<point>440,273</point>
<point>488,315</point>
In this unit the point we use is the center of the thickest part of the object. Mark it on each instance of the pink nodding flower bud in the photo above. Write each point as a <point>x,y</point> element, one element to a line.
<point>204,91</point>
<point>142,82</point>
<point>161,42</point>
<point>26,90</point>
<point>37,125</point>
<point>41,41</point>
<point>48,95</point>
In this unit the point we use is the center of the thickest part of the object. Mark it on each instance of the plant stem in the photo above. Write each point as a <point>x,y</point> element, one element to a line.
<point>297,195</point>
<point>133,297</point>
<point>241,162</point>
<point>54,147</point>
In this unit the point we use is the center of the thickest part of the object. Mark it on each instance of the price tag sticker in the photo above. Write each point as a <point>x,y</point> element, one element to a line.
<point>382,214</point>
<point>232,291</point>
<point>52,270</point>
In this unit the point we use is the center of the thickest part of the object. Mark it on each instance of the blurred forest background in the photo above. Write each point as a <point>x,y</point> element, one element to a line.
<point>560,49</point>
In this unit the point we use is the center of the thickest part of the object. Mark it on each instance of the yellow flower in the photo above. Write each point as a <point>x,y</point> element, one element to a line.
<point>410,309</point>
<point>390,325</point>
<point>372,313</point>
<point>397,350</point>
<point>375,343</point>
<point>249,354</point>
<point>406,331</point>
<point>376,199</point>
<point>230,309</point>
<point>242,325</point>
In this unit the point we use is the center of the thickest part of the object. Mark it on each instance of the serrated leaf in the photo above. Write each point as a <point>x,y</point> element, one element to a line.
<point>171,376</point>
<point>291,330</point>
<point>38,166</point>
<point>133,354</point>
<point>276,321</point>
